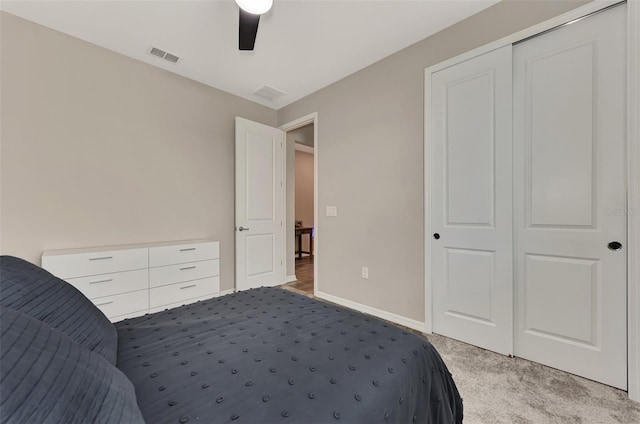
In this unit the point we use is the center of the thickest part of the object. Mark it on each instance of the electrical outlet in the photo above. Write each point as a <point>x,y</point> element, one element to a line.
<point>365,272</point>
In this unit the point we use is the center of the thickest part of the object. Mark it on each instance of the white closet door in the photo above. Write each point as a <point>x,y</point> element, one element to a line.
<point>569,185</point>
<point>471,201</point>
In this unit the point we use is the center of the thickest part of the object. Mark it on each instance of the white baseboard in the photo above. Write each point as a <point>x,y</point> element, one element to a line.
<point>291,279</point>
<point>225,292</point>
<point>235,289</point>
<point>398,319</point>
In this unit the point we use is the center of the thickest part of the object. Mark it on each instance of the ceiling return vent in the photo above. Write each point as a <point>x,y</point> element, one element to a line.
<point>164,55</point>
<point>269,93</point>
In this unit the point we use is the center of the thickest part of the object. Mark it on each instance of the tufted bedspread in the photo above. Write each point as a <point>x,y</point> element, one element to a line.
<point>268,355</point>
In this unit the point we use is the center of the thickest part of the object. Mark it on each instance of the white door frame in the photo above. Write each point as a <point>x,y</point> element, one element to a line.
<point>311,118</point>
<point>633,166</point>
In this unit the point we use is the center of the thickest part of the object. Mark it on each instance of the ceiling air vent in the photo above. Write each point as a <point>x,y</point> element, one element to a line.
<point>269,93</point>
<point>171,58</point>
<point>157,52</point>
<point>164,55</point>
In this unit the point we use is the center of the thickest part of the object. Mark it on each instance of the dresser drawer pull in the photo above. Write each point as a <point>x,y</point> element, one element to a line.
<point>101,258</point>
<point>101,281</point>
<point>187,267</point>
<point>188,249</point>
<point>187,287</point>
<point>104,303</point>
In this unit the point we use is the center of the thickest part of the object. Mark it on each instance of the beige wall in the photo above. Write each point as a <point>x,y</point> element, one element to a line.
<point>304,193</point>
<point>370,162</point>
<point>99,149</point>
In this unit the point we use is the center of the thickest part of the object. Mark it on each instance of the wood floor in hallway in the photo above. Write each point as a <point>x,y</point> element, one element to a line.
<point>304,274</point>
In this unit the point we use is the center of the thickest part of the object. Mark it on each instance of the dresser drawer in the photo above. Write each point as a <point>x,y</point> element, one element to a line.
<point>128,315</point>
<point>104,262</point>
<point>183,302</point>
<point>110,284</point>
<point>184,253</point>
<point>121,304</point>
<point>175,293</point>
<point>161,276</point>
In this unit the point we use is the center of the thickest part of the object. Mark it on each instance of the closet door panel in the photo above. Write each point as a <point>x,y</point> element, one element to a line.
<point>569,181</point>
<point>561,93</point>
<point>471,201</point>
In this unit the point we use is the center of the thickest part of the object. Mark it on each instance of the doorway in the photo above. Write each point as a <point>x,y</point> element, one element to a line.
<point>300,204</point>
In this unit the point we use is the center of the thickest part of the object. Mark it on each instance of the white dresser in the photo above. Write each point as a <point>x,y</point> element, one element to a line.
<point>128,281</point>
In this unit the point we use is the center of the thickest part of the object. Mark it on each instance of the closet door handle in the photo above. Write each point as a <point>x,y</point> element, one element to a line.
<point>436,236</point>
<point>615,245</point>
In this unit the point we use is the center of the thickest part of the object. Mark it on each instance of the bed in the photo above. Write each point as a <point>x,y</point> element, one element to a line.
<point>259,356</point>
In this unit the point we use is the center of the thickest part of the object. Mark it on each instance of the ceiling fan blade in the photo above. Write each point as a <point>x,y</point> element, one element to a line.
<point>248,29</point>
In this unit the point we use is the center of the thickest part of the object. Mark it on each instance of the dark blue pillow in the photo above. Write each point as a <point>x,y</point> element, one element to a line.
<point>30,289</point>
<point>45,377</point>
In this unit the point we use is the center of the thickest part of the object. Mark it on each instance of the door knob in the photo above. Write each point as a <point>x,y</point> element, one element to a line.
<point>243,229</point>
<point>615,245</point>
<point>436,236</point>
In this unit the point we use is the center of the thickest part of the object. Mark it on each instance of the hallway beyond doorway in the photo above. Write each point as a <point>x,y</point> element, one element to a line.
<point>304,274</point>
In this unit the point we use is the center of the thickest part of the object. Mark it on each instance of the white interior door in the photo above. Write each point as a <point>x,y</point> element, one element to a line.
<point>259,205</point>
<point>569,162</point>
<point>471,201</point>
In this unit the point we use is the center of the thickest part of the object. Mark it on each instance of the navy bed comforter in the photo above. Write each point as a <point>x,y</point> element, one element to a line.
<point>268,355</point>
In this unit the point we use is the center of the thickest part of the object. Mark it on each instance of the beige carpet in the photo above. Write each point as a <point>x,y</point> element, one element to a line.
<point>497,389</point>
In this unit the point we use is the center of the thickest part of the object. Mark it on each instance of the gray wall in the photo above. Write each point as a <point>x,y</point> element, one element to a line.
<point>99,149</point>
<point>370,162</point>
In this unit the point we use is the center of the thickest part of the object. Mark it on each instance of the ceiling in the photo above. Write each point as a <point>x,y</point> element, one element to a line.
<point>302,45</point>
